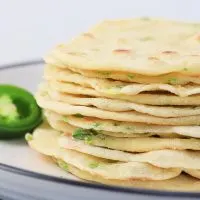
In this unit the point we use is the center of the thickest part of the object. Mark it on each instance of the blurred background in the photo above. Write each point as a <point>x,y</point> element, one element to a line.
<point>29,28</point>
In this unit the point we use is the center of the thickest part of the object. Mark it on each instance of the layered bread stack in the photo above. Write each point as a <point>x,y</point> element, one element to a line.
<point>122,102</point>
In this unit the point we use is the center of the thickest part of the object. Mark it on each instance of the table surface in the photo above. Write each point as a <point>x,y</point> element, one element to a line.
<point>30,28</point>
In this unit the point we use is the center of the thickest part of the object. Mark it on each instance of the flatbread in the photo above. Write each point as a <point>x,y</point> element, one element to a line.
<point>120,105</point>
<point>104,168</point>
<point>165,158</point>
<point>150,98</point>
<point>69,129</point>
<point>46,102</point>
<point>172,78</point>
<point>149,47</point>
<point>116,170</point>
<point>138,144</point>
<point>104,124</point>
<point>41,134</point>
<point>126,128</point>
<point>117,87</point>
<point>60,125</point>
<point>193,172</point>
<point>179,183</point>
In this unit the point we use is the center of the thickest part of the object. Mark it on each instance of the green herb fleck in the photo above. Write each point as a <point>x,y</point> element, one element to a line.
<point>104,73</point>
<point>130,76</point>
<point>185,69</point>
<point>147,38</point>
<point>119,86</point>
<point>88,139</point>
<point>116,123</point>
<point>78,115</point>
<point>28,137</point>
<point>84,134</point>
<point>81,133</point>
<point>173,81</point>
<point>94,165</point>
<point>65,119</point>
<point>63,165</point>
<point>99,131</point>
<point>96,124</point>
<point>128,128</point>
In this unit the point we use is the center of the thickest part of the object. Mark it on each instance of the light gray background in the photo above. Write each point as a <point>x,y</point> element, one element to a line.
<point>29,28</point>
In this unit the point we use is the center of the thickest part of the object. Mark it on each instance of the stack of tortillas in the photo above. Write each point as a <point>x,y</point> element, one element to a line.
<point>123,104</point>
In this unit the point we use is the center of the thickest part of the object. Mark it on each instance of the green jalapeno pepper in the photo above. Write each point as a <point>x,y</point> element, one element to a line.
<point>19,112</point>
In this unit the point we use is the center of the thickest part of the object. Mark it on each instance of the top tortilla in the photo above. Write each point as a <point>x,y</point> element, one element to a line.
<point>143,46</point>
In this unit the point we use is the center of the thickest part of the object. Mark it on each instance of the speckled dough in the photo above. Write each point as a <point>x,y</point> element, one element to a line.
<point>127,129</point>
<point>120,105</point>
<point>106,169</point>
<point>150,47</point>
<point>175,158</point>
<point>64,108</point>
<point>118,87</point>
<point>147,98</point>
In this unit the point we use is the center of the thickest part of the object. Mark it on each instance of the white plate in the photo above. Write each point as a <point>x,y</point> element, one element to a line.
<point>24,174</point>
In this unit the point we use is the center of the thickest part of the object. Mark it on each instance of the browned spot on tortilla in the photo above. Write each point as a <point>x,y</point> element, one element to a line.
<point>169,52</point>
<point>90,119</point>
<point>153,58</point>
<point>140,179</point>
<point>67,134</point>
<point>122,51</point>
<point>89,35</point>
<point>198,38</point>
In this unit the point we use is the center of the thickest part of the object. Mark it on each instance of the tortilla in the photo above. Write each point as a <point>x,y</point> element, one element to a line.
<point>126,128</point>
<point>144,144</point>
<point>149,98</point>
<point>171,78</point>
<point>67,128</point>
<point>94,165</point>
<point>62,126</point>
<point>135,46</point>
<point>179,183</point>
<point>116,170</point>
<point>46,102</point>
<point>119,105</point>
<point>164,158</point>
<point>117,87</point>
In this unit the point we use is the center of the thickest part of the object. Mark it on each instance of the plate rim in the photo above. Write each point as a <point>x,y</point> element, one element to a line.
<point>110,188</point>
